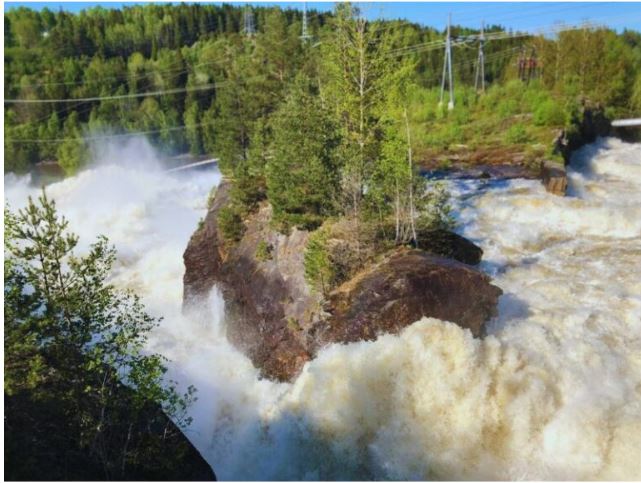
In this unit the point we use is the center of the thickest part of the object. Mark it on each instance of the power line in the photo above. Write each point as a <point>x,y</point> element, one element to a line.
<point>106,136</point>
<point>498,35</point>
<point>178,71</point>
<point>123,96</point>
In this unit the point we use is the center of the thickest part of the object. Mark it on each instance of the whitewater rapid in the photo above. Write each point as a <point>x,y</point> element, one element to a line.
<point>554,392</point>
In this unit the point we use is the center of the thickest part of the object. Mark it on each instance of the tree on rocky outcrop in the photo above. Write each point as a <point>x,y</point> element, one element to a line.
<point>302,176</point>
<point>358,73</point>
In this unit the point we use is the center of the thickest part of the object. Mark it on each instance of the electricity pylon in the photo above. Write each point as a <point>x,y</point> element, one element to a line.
<point>305,34</point>
<point>447,67</point>
<point>480,63</point>
<point>248,19</point>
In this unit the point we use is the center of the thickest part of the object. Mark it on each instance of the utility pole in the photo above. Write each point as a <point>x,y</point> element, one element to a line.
<point>248,19</point>
<point>532,65</point>
<point>480,63</point>
<point>447,67</point>
<point>522,63</point>
<point>304,36</point>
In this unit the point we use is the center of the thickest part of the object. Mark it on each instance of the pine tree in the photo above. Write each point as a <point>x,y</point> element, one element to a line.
<point>78,385</point>
<point>302,178</point>
<point>72,152</point>
<point>359,75</point>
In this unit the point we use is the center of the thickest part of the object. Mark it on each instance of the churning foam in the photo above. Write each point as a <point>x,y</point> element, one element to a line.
<point>553,392</point>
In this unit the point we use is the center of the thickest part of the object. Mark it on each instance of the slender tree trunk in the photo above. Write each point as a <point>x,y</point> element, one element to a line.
<point>411,176</point>
<point>398,214</point>
<point>124,452</point>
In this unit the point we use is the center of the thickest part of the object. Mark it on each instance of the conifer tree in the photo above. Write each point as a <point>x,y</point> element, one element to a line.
<point>78,385</point>
<point>302,175</point>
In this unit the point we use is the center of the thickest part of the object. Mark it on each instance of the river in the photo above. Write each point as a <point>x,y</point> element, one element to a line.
<point>554,392</point>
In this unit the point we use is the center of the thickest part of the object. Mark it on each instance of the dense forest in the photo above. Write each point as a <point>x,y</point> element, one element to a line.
<point>221,84</point>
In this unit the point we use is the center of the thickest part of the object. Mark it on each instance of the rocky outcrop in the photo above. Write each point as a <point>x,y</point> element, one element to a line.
<point>450,245</point>
<point>554,178</point>
<point>593,123</point>
<point>274,317</point>
<point>404,286</point>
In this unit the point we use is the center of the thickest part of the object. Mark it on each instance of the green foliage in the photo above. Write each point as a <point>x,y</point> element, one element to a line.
<point>549,113</point>
<point>263,251</point>
<point>72,153</point>
<point>517,134</point>
<point>193,131</point>
<point>302,177</point>
<point>230,224</point>
<point>211,196</point>
<point>248,189</point>
<point>319,270</point>
<point>19,155</point>
<point>507,107</point>
<point>143,48</point>
<point>635,101</point>
<point>357,47</point>
<point>74,350</point>
<point>434,210</point>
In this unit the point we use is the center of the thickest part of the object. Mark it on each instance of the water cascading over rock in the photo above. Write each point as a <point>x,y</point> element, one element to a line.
<point>280,323</point>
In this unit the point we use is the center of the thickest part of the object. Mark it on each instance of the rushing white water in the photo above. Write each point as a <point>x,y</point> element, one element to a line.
<point>553,393</point>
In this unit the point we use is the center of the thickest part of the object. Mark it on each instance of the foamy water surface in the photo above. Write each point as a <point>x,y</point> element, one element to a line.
<point>553,393</point>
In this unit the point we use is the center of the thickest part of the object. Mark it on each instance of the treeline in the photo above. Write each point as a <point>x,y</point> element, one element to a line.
<point>108,52</point>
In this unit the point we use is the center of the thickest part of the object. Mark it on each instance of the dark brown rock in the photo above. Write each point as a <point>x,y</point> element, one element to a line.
<point>405,286</point>
<point>280,323</point>
<point>450,245</point>
<point>554,178</point>
<point>202,257</point>
<point>593,123</point>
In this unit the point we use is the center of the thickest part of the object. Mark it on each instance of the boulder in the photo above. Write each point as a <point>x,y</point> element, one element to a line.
<point>406,285</point>
<point>450,245</point>
<point>554,178</point>
<point>280,323</point>
<point>592,123</point>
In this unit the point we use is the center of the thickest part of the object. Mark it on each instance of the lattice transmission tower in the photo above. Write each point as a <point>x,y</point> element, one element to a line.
<point>447,67</point>
<point>248,22</point>
<point>479,78</point>
<point>305,36</point>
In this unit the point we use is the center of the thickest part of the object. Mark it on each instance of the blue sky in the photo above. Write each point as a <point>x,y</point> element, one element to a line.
<point>517,15</point>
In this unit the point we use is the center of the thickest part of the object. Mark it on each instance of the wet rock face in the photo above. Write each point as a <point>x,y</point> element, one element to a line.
<point>280,323</point>
<point>405,286</point>
<point>451,245</point>
<point>554,178</point>
<point>202,258</point>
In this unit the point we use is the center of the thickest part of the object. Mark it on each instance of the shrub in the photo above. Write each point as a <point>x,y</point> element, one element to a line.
<point>230,224</point>
<point>247,190</point>
<point>549,113</point>
<point>444,135</point>
<point>434,208</point>
<point>319,271</point>
<point>263,251</point>
<point>211,197</point>
<point>517,134</point>
<point>534,96</point>
<point>507,107</point>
